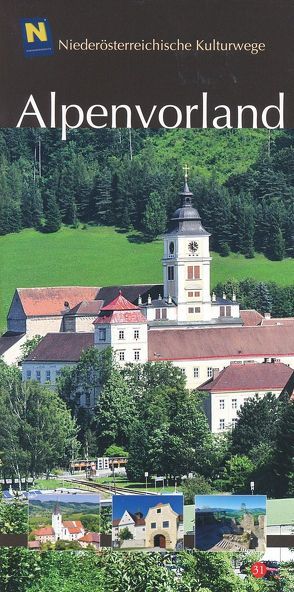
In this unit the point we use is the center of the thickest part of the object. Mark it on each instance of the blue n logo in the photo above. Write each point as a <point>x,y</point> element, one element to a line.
<point>36,37</point>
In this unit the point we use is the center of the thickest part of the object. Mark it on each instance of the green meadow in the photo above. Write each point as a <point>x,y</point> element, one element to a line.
<point>99,256</point>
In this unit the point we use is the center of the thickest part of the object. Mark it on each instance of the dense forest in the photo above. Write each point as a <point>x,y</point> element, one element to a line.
<point>243,182</point>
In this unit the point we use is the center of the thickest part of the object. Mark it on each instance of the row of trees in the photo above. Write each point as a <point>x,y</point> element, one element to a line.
<point>261,296</point>
<point>147,411</point>
<point>96,178</point>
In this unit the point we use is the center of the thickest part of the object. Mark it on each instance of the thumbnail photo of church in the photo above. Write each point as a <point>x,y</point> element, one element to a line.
<point>63,517</point>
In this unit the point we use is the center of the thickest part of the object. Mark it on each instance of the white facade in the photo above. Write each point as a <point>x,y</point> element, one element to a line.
<point>129,341</point>
<point>186,276</point>
<point>222,408</point>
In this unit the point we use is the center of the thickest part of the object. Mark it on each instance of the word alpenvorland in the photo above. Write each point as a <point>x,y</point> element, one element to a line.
<point>167,116</point>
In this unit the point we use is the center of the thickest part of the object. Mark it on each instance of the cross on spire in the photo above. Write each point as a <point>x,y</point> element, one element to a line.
<point>186,169</point>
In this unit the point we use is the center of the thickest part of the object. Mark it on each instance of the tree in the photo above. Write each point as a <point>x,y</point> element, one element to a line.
<point>262,298</point>
<point>283,457</point>
<point>257,423</point>
<point>238,471</point>
<point>125,534</point>
<point>195,485</point>
<point>277,249</point>
<point>154,219</point>
<point>115,450</point>
<point>87,377</point>
<point>53,217</point>
<point>29,346</point>
<point>36,429</point>
<point>115,412</point>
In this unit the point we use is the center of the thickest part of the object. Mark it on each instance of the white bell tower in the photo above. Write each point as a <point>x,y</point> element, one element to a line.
<point>186,262</point>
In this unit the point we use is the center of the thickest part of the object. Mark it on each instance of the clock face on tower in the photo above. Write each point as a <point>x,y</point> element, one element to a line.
<point>193,247</point>
<point>171,248</point>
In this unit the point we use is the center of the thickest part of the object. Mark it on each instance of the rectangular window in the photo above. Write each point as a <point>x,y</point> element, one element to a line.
<point>158,511</point>
<point>157,314</point>
<point>136,334</point>
<point>196,372</point>
<point>153,524</point>
<point>28,374</point>
<point>58,372</point>
<point>234,422</point>
<point>209,372</point>
<point>228,311</point>
<point>88,399</point>
<point>190,294</point>
<point>121,334</point>
<point>38,375</point>
<point>163,313</point>
<point>221,403</point>
<point>196,294</point>
<point>165,524</point>
<point>197,309</point>
<point>190,310</point>
<point>102,334</point>
<point>234,403</point>
<point>48,375</point>
<point>193,272</point>
<point>222,311</point>
<point>221,424</point>
<point>136,355</point>
<point>170,272</point>
<point>121,356</point>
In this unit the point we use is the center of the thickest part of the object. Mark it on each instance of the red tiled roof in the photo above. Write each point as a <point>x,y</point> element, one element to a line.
<point>123,317</point>
<point>249,377</point>
<point>231,342</point>
<point>61,347</point>
<point>46,531</point>
<point>281,321</point>
<point>90,537</point>
<point>251,318</point>
<point>119,303</point>
<point>73,525</point>
<point>50,301</point>
<point>34,544</point>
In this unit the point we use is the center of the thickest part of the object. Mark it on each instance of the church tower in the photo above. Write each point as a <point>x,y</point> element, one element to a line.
<point>186,262</point>
<point>57,522</point>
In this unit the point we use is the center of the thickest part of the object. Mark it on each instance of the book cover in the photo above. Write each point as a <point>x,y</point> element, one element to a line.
<point>146,295</point>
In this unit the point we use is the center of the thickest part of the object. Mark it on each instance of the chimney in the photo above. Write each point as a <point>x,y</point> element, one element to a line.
<point>149,299</point>
<point>159,297</point>
<point>234,297</point>
<point>224,296</point>
<point>267,315</point>
<point>213,298</point>
<point>215,373</point>
<point>139,300</point>
<point>169,299</point>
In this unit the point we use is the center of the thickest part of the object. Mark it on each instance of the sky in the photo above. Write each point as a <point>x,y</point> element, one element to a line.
<point>142,503</point>
<point>230,501</point>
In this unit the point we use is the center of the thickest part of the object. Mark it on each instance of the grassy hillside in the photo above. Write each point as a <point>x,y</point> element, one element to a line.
<point>101,256</point>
